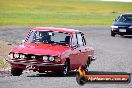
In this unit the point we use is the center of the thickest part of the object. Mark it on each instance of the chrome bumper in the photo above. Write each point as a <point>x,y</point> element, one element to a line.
<point>30,62</point>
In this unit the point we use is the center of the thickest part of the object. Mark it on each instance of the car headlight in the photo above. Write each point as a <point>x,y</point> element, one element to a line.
<point>57,59</point>
<point>51,58</point>
<point>45,58</point>
<point>11,55</point>
<point>16,55</point>
<point>114,26</point>
<point>130,27</point>
<point>22,56</point>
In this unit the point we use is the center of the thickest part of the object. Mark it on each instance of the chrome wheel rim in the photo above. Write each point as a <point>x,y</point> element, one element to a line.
<point>65,68</point>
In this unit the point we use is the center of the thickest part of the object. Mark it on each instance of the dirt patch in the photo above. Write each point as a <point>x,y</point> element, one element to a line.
<point>5,47</point>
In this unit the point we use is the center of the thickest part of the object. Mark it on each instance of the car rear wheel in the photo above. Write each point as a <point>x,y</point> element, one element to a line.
<point>112,34</point>
<point>16,71</point>
<point>88,63</point>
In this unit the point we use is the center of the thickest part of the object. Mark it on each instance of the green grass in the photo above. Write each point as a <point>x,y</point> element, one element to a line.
<point>3,64</point>
<point>60,12</point>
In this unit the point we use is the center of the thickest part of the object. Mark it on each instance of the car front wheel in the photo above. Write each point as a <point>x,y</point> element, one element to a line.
<point>122,35</point>
<point>65,70</point>
<point>16,71</point>
<point>112,34</point>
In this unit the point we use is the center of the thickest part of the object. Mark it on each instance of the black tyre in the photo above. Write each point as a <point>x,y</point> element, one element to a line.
<point>65,70</point>
<point>112,34</point>
<point>16,71</point>
<point>41,71</point>
<point>122,35</point>
<point>81,80</point>
<point>88,61</point>
<point>87,64</point>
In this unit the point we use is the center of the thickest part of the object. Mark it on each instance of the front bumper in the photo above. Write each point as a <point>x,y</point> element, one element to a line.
<point>31,62</point>
<point>35,65</point>
<point>127,32</point>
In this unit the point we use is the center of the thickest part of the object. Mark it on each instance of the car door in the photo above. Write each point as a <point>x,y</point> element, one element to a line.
<point>75,54</point>
<point>83,50</point>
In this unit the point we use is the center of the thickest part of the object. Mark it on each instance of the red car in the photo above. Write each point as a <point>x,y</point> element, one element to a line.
<point>51,49</point>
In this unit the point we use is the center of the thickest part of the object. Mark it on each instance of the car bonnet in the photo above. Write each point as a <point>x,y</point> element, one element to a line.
<point>40,49</point>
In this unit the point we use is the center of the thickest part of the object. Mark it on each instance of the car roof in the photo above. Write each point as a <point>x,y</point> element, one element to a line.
<point>127,14</point>
<point>66,30</point>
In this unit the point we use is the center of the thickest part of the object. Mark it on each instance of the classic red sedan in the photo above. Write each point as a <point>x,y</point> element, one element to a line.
<point>51,49</point>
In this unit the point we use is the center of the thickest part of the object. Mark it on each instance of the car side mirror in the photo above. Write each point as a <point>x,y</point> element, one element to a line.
<point>23,41</point>
<point>115,20</point>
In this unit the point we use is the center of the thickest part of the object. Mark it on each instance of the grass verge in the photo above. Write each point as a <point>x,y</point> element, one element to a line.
<point>4,50</point>
<point>3,64</point>
<point>60,12</point>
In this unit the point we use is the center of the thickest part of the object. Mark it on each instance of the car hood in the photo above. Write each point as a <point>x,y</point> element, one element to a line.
<point>121,24</point>
<point>40,49</point>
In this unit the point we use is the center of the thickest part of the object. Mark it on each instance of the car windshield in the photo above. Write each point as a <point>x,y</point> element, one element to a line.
<point>49,37</point>
<point>125,18</point>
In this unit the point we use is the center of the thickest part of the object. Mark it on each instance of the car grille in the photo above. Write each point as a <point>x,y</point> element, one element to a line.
<point>123,27</point>
<point>31,57</point>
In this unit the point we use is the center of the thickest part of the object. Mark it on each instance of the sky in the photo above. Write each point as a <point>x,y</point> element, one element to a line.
<point>119,0</point>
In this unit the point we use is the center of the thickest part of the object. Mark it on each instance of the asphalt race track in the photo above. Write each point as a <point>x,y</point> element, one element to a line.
<point>114,54</point>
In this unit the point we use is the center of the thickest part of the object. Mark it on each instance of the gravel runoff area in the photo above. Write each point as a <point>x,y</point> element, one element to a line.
<point>113,55</point>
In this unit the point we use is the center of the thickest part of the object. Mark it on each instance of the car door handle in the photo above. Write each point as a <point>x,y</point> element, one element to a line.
<point>80,50</point>
<point>86,49</point>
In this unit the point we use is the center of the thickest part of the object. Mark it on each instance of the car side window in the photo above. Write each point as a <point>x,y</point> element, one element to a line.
<point>117,18</point>
<point>31,35</point>
<point>80,39</point>
<point>121,19</point>
<point>74,40</point>
<point>83,39</point>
